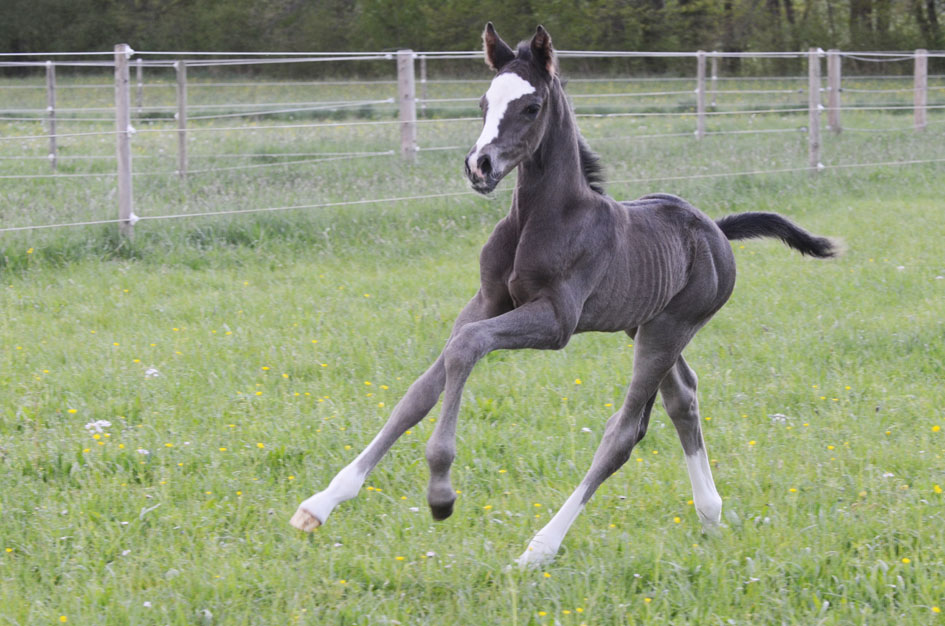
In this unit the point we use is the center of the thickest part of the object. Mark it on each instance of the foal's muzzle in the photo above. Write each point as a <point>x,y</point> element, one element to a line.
<point>481,170</point>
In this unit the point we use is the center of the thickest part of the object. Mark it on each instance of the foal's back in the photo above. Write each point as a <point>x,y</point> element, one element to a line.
<point>667,256</point>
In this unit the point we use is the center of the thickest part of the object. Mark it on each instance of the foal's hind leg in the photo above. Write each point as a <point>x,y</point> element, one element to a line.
<point>658,345</point>
<point>678,390</point>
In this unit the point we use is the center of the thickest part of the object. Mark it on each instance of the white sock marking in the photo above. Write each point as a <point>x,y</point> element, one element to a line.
<point>704,495</point>
<point>505,88</point>
<point>344,486</point>
<point>543,547</point>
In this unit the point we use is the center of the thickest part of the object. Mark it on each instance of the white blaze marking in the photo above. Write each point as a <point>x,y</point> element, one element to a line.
<point>505,88</point>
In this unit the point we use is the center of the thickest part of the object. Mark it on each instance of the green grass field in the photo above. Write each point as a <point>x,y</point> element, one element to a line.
<point>241,361</point>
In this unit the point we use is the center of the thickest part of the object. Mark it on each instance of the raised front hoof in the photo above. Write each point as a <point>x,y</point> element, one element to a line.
<point>441,511</point>
<point>304,521</point>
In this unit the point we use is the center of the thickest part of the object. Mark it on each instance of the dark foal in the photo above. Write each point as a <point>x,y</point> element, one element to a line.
<point>570,259</point>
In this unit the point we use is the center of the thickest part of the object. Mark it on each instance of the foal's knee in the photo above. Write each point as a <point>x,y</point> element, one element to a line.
<point>463,350</point>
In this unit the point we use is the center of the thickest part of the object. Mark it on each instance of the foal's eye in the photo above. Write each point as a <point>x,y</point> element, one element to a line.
<point>531,110</point>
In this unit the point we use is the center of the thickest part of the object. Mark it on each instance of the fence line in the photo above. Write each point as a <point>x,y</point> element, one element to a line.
<point>135,219</point>
<point>408,102</point>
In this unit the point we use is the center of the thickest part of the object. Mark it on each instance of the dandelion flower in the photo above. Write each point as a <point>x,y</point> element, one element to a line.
<point>906,560</point>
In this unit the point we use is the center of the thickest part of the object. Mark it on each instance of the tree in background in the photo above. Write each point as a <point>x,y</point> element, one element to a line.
<point>325,25</point>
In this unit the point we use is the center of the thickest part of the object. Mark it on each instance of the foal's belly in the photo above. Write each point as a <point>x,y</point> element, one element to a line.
<point>614,311</point>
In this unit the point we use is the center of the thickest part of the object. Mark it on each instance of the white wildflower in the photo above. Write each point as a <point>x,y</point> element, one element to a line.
<point>98,426</point>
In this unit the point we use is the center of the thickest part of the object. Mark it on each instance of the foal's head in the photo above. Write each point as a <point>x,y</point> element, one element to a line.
<point>514,113</point>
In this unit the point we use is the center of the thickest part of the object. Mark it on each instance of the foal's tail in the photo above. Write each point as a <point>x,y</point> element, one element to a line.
<point>753,224</point>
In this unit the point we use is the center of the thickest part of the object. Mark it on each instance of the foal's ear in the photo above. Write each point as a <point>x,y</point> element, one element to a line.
<point>542,51</point>
<point>498,53</point>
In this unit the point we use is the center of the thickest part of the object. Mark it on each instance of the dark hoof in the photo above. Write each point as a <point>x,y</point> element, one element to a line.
<point>442,511</point>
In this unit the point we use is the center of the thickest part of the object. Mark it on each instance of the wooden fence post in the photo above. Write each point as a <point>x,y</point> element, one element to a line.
<point>139,92</point>
<point>715,76</point>
<point>423,83</point>
<point>181,115</point>
<point>51,111</point>
<point>814,107</point>
<point>921,97</point>
<point>700,94</point>
<point>123,140</point>
<point>406,96</point>
<point>834,82</point>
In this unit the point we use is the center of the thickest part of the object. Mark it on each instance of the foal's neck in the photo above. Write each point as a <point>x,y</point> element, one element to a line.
<point>553,177</point>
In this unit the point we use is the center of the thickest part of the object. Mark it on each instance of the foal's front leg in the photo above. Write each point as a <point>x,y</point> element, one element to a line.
<point>422,395</point>
<point>537,324</point>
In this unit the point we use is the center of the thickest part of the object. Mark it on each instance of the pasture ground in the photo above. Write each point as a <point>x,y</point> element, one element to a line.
<point>242,361</point>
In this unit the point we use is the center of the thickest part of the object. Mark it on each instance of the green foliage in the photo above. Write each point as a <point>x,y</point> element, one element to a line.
<point>652,25</point>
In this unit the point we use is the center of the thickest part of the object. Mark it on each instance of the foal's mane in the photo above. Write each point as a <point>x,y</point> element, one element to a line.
<point>591,166</point>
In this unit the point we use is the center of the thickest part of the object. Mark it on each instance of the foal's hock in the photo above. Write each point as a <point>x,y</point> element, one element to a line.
<point>568,259</point>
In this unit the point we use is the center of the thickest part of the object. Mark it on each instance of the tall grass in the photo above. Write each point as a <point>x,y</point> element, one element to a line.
<point>241,361</point>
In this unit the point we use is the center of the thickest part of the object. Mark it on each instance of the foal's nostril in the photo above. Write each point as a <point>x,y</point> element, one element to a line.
<point>484,165</point>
